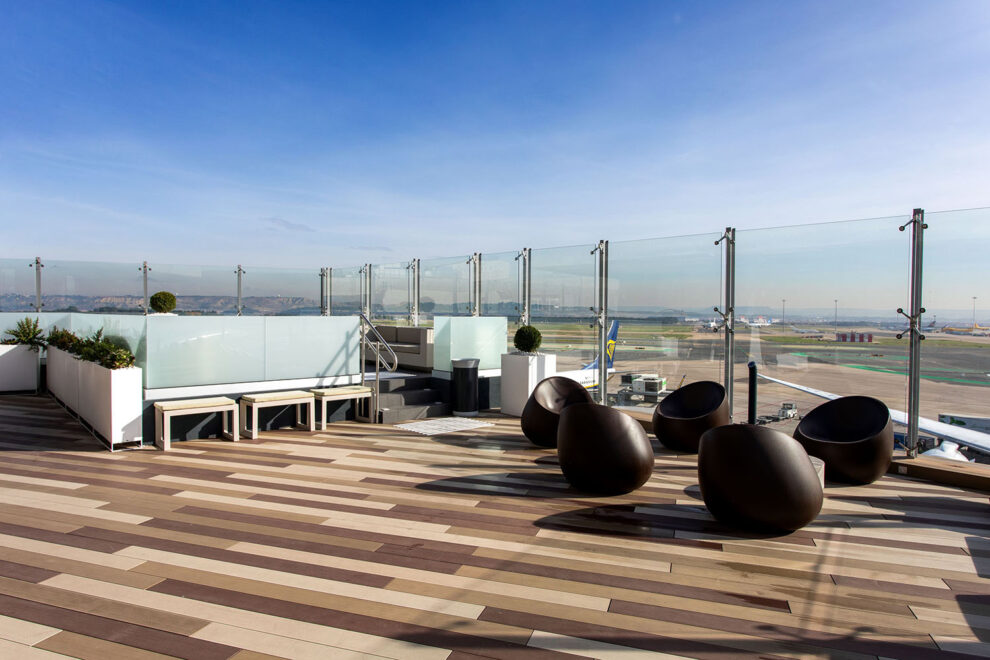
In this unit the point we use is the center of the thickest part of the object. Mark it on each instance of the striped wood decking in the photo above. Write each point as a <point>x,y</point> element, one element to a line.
<point>368,541</point>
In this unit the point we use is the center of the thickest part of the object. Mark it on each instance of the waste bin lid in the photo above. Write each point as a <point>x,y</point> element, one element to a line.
<point>466,363</point>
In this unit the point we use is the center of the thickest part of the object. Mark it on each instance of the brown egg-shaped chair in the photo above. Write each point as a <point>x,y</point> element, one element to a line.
<point>757,479</point>
<point>541,413</point>
<point>683,415</point>
<point>602,450</point>
<point>853,435</point>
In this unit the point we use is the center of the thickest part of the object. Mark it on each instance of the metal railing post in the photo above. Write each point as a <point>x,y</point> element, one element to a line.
<point>525,285</point>
<point>918,227</point>
<point>144,276</point>
<point>477,284</point>
<point>324,291</point>
<point>474,284</point>
<point>601,316</point>
<point>729,315</point>
<point>240,273</point>
<point>366,290</point>
<point>412,291</point>
<point>37,265</point>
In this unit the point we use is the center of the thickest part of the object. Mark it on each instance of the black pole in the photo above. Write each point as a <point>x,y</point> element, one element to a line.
<point>752,393</point>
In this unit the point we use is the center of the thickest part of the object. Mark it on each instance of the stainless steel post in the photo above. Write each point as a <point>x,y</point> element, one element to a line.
<point>918,227</point>
<point>324,291</point>
<point>330,291</point>
<point>144,276</point>
<point>366,290</point>
<point>37,283</point>
<point>477,284</point>
<point>412,269</point>
<point>240,273</point>
<point>602,320</point>
<point>729,315</point>
<point>524,271</point>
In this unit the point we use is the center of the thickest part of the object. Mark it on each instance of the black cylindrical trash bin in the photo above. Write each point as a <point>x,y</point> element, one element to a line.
<point>465,387</point>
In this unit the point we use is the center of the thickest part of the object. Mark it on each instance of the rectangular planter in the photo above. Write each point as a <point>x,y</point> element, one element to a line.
<point>520,374</point>
<point>109,400</point>
<point>19,367</point>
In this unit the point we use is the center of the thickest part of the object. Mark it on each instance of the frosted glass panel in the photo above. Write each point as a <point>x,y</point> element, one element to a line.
<point>130,328</point>
<point>456,338</point>
<point>184,351</point>
<point>311,347</point>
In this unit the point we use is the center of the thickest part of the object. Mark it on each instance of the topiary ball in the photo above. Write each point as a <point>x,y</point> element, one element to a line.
<point>527,339</point>
<point>162,302</point>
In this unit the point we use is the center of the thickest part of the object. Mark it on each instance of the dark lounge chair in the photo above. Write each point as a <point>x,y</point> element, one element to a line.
<point>542,411</point>
<point>755,478</point>
<point>853,435</point>
<point>683,415</point>
<point>602,450</point>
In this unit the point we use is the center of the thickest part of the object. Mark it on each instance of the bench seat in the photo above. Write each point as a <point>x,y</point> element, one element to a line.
<point>271,399</point>
<point>343,393</point>
<point>166,410</point>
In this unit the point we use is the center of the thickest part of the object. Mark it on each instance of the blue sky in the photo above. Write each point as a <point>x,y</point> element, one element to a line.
<point>299,134</point>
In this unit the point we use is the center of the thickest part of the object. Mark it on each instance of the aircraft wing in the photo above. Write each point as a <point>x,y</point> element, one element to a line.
<point>966,437</point>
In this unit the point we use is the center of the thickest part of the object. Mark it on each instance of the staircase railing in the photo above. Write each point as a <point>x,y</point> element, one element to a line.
<point>375,346</point>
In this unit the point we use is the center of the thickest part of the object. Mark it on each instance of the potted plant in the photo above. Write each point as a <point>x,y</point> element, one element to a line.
<point>523,369</point>
<point>96,378</point>
<point>20,356</point>
<point>163,302</point>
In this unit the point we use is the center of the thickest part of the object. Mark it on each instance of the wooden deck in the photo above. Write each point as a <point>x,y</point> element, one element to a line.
<point>370,541</point>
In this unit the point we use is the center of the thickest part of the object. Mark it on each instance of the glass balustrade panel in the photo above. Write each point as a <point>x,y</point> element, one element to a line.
<point>563,293</point>
<point>955,354</point>
<point>662,293</point>
<point>445,287</point>
<point>280,291</point>
<point>816,307</point>
<point>391,287</point>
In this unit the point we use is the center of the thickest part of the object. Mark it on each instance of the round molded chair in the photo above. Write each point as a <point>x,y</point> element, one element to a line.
<point>683,415</point>
<point>541,414</point>
<point>602,450</point>
<point>755,478</point>
<point>853,435</point>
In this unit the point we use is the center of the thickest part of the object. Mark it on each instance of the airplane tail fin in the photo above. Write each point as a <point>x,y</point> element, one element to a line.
<point>610,339</point>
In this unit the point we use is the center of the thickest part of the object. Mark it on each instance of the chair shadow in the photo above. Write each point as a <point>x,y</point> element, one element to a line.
<point>503,442</point>
<point>677,523</point>
<point>535,485</point>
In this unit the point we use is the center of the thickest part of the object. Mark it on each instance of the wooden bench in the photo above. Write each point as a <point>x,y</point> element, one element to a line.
<point>166,410</point>
<point>338,394</point>
<point>270,399</point>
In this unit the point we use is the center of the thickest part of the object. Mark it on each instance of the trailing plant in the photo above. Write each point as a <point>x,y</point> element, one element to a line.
<point>162,302</point>
<point>104,351</point>
<point>28,332</point>
<point>527,339</point>
<point>64,340</point>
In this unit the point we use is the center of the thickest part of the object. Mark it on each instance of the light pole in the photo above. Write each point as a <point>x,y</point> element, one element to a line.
<point>974,313</point>
<point>783,309</point>
<point>835,321</point>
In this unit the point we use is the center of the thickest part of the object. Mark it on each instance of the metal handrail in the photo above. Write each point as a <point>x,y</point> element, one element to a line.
<point>379,361</point>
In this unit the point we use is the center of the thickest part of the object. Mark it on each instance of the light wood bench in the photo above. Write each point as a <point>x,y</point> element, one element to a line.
<point>338,394</point>
<point>166,410</point>
<point>297,398</point>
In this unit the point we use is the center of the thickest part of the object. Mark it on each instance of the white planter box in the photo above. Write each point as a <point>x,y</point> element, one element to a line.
<point>109,400</point>
<point>18,368</point>
<point>520,374</point>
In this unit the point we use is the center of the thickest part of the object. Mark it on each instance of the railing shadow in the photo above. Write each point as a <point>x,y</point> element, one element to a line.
<point>38,423</point>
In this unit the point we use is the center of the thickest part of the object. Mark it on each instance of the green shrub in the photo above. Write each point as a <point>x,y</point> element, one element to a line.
<point>105,351</point>
<point>28,332</point>
<point>63,340</point>
<point>162,302</point>
<point>527,339</point>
